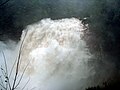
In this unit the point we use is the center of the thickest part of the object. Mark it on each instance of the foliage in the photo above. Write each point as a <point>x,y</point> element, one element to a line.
<point>107,86</point>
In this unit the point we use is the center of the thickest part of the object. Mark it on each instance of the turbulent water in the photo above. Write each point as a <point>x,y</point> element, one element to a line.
<point>55,55</point>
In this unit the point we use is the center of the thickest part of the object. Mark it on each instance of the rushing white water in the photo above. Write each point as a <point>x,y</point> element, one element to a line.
<point>57,55</point>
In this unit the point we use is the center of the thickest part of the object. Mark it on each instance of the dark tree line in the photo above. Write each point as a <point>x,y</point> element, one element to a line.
<point>107,86</point>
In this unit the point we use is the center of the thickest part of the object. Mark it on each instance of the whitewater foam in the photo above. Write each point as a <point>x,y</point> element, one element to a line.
<point>57,55</point>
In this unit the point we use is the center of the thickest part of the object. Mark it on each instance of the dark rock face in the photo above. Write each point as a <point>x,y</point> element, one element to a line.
<point>16,15</point>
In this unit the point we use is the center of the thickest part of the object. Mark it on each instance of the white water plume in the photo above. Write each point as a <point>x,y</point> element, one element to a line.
<point>57,55</point>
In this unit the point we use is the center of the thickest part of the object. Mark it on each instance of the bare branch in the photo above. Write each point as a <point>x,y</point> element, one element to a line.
<point>6,72</point>
<point>18,61</point>
<point>2,86</point>
<point>3,72</point>
<point>2,81</point>
<point>7,85</point>
<point>12,69</point>
<point>26,84</point>
<point>4,2</point>
<point>22,75</point>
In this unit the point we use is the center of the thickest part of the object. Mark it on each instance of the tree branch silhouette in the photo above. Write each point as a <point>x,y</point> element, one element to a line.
<point>4,2</point>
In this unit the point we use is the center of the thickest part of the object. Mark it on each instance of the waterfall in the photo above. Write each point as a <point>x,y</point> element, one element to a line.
<point>56,55</point>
